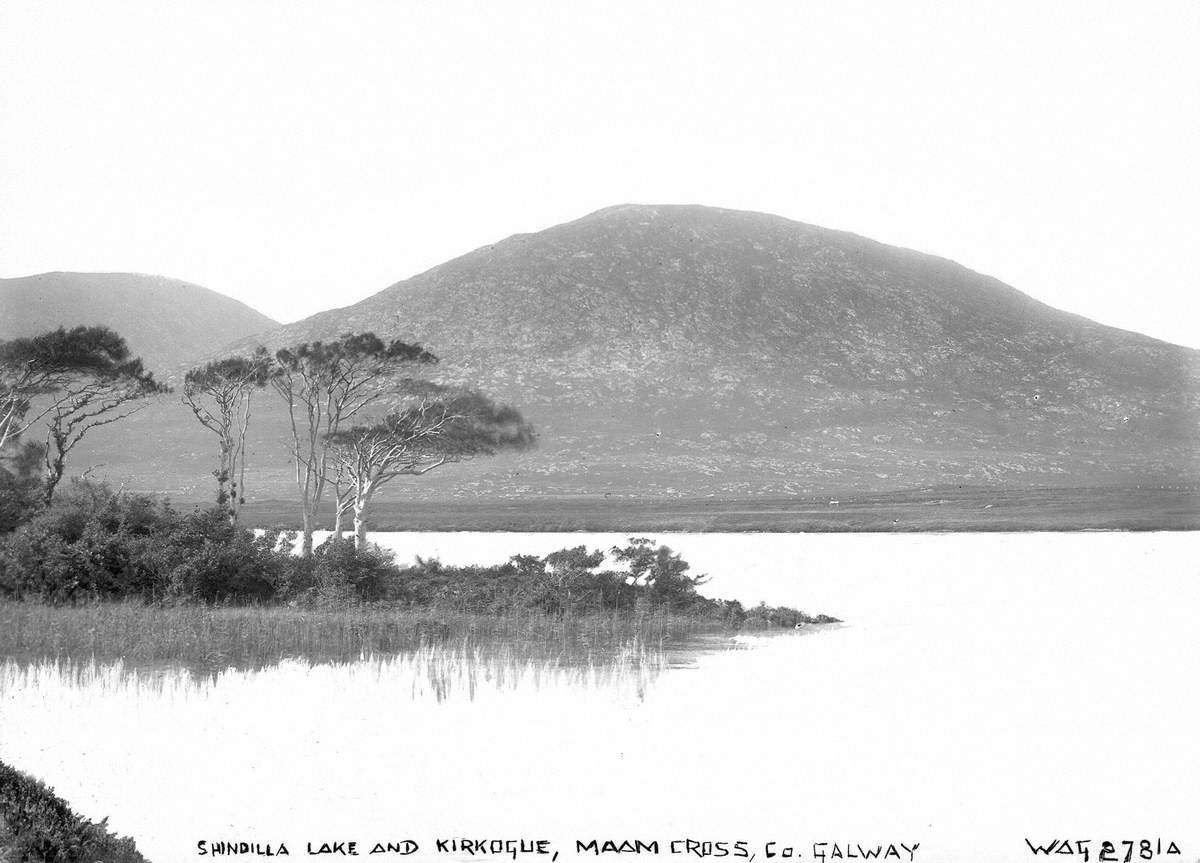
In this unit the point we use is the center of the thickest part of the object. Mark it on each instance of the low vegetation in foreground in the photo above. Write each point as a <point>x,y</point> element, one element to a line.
<point>210,639</point>
<point>109,575</point>
<point>36,825</point>
<point>98,581</point>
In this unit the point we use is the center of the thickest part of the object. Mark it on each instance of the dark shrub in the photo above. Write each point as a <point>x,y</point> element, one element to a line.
<point>90,543</point>
<point>565,582</point>
<point>94,543</point>
<point>21,494</point>
<point>661,573</point>
<point>209,559</point>
<point>342,574</point>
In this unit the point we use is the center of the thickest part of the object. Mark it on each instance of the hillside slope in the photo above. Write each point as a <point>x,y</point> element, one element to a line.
<point>676,350</point>
<point>167,322</point>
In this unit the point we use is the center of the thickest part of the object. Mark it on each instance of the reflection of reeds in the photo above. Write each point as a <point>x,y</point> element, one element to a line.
<point>443,671</point>
<point>438,671</point>
<point>446,652</point>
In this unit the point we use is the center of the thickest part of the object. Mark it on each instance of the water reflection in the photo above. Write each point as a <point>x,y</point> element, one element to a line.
<point>987,688</point>
<point>440,670</point>
<point>248,753</point>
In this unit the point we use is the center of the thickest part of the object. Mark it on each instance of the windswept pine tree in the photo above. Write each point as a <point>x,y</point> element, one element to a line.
<point>437,426</point>
<point>73,381</point>
<point>324,385</point>
<point>219,394</point>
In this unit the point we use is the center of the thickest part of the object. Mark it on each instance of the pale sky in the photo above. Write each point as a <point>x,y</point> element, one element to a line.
<point>302,155</point>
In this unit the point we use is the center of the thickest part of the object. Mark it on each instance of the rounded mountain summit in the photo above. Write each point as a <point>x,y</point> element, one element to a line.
<point>688,350</point>
<point>166,322</point>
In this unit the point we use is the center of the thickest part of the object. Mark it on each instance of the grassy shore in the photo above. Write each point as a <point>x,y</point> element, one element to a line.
<point>212,638</point>
<point>36,825</point>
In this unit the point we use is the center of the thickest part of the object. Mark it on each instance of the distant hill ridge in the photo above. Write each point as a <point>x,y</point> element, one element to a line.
<point>167,322</point>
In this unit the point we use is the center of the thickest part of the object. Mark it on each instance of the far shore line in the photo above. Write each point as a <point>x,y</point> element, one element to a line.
<point>927,510</point>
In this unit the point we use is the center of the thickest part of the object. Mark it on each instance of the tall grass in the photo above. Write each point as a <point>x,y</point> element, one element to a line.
<point>206,640</point>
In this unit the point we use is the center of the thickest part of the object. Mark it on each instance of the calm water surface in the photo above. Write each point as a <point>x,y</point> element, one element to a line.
<point>985,688</point>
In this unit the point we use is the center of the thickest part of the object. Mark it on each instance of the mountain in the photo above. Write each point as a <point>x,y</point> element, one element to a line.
<point>667,353</point>
<point>670,351</point>
<point>168,323</point>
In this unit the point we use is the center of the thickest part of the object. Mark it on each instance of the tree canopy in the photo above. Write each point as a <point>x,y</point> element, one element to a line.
<point>75,380</point>
<point>439,426</point>
<point>326,384</point>
<point>219,394</point>
<point>40,367</point>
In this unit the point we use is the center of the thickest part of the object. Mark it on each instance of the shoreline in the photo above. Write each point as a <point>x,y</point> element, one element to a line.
<point>938,510</point>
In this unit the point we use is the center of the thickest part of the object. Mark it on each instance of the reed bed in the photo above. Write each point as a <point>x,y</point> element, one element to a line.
<point>206,640</point>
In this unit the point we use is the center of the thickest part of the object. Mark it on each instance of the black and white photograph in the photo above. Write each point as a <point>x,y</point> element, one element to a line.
<point>552,432</point>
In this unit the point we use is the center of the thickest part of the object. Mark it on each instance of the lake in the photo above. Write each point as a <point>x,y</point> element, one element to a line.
<point>985,688</point>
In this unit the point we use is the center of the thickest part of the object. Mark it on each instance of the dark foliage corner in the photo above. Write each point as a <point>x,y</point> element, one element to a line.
<point>38,827</point>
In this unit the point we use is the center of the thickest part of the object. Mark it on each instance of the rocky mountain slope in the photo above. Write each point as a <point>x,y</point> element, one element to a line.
<point>168,323</point>
<point>683,350</point>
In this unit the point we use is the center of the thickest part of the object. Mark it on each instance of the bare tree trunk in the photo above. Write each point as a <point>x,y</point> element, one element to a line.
<point>303,472</point>
<point>345,503</point>
<point>223,483</point>
<point>227,487</point>
<point>54,473</point>
<point>361,500</point>
<point>341,497</point>
<point>306,541</point>
<point>239,462</point>
<point>55,457</point>
<point>360,525</point>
